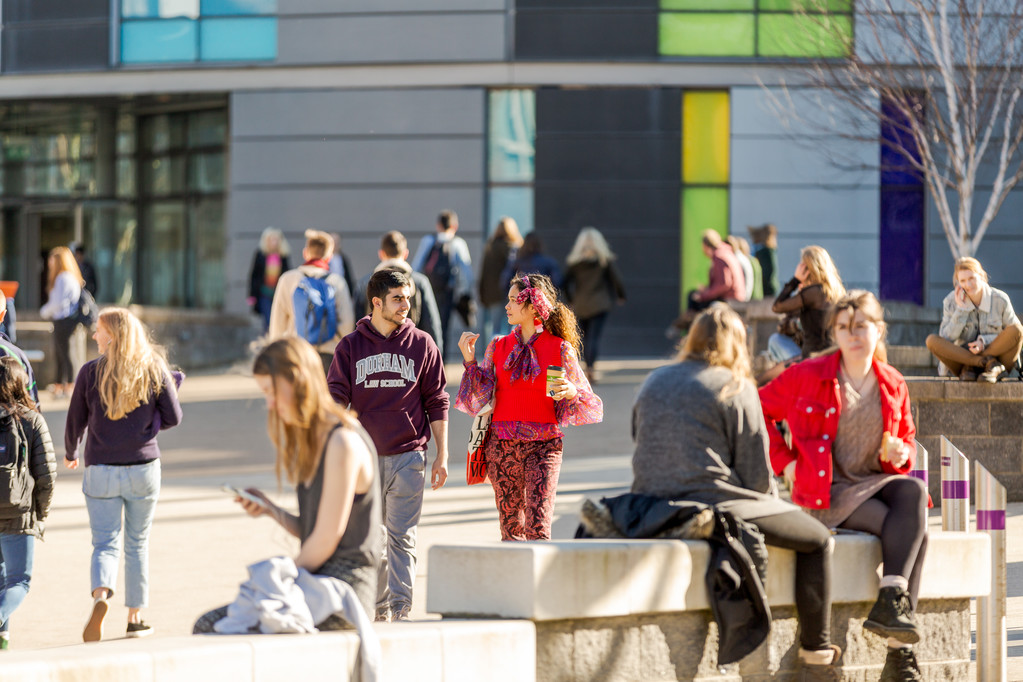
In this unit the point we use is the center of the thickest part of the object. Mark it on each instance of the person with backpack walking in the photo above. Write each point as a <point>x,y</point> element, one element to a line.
<point>393,255</point>
<point>64,285</point>
<point>444,258</point>
<point>311,302</point>
<point>27,473</point>
<point>124,398</point>
<point>392,376</point>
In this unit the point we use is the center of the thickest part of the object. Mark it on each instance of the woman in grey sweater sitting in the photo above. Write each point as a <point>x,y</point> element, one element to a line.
<point>700,436</point>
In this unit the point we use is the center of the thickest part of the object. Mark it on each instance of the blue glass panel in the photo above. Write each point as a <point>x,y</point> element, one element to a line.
<point>212,8</point>
<point>153,9</point>
<point>511,144</point>
<point>514,202</point>
<point>246,39</point>
<point>160,40</point>
<point>902,245</point>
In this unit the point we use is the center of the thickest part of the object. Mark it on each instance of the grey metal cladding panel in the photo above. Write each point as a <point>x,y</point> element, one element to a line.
<point>783,161</point>
<point>314,162</point>
<point>797,112</point>
<point>391,38</point>
<point>805,210</point>
<point>358,112</point>
<point>55,47</point>
<point>363,211</point>
<point>610,110</point>
<point>17,11</point>
<point>297,7</point>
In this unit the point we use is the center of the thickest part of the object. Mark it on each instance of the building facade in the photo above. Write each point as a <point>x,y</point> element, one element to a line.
<point>167,134</point>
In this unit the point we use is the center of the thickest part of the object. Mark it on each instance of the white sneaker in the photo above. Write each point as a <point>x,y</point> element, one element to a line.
<point>93,631</point>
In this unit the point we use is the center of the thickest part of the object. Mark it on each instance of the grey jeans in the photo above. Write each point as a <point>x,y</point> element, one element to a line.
<point>402,479</point>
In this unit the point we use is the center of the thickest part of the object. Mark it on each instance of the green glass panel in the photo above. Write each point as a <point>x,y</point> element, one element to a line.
<point>706,4</point>
<point>703,208</point>
<point>805,5</point>
<point>800,35</point>
<point>706,35</point>
<point>511,150</point>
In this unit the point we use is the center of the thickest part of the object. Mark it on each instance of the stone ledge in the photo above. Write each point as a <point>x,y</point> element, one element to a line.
<point>546,581</point>
<point>426,652</point>
<point>944,388</point>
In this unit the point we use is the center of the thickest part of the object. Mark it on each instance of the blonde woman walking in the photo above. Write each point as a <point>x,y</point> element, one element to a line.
<point>64,284</point>
<point>124,398</point>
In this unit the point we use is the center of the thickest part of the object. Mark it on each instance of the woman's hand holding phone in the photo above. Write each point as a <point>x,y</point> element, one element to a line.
<point>254,502</point>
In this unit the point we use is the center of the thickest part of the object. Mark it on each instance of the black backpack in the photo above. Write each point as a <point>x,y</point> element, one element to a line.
<point>87,312</point>
<point>16,485</point>
<point>438,267</point>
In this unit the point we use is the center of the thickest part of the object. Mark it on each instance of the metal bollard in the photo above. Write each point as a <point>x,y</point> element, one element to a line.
<point>955,488</point>
<point>992,651</point>
<point>920,466</point>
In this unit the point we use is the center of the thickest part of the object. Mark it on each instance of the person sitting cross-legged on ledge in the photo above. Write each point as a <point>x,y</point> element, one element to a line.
<point>852,445</point>
<point>701,437</point>
<point>979,334</point>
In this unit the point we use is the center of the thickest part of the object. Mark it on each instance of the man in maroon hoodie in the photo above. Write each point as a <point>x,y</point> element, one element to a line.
<point>392,375</point>
<point>727,282</point>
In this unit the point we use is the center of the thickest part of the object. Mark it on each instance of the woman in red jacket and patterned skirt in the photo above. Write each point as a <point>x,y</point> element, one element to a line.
<point>852,444</point>
<point>523,449</point>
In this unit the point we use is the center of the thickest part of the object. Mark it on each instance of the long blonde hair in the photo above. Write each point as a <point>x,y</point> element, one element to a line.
<point>821,270</point>
<point>590,245</point>
<point>507,230</point>
<point>299,445</point>
<point>968,263</point>
<point>133,369</point>
<point>867,303</point>
<point>64,262</point>
<point>718,337</point>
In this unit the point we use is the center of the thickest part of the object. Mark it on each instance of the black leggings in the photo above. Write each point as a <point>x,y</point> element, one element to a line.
<point>592,327</point>
<point>811,541</point>
<point>62,331</point>
<point>898,515</point>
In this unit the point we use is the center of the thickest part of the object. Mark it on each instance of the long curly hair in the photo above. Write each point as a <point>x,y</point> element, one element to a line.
<point>133,369</point>
<point>561,322</point>
<point>299,444</point>
<point>718,337</point>
<point>822,271</point>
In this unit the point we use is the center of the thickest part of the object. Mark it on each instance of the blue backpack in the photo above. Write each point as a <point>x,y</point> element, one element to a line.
<point>315,309</point>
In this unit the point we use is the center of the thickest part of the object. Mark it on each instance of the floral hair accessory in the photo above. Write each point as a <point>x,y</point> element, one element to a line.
<point>534,296</point>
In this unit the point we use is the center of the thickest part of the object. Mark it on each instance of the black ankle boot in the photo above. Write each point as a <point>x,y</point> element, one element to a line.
<point>892,616</point>
<point>901,666</point>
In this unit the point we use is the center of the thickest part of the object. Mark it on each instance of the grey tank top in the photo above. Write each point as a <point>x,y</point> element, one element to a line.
<point>361,543</point>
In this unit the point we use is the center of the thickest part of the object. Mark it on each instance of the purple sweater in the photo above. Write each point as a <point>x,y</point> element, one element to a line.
<point>396,385</point>
<point>129,440</point>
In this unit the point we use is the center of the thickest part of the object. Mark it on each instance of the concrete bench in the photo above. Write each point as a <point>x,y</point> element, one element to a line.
<point>637,609</point>
<point>432,651</point>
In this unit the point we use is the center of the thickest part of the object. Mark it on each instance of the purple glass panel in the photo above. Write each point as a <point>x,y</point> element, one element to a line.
<point>902,245</point>
<point>902,211</point>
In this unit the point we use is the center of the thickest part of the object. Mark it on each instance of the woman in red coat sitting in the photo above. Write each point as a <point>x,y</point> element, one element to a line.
<point>852,444</point>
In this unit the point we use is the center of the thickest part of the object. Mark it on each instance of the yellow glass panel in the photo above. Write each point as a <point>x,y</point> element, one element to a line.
<point>705,138</point>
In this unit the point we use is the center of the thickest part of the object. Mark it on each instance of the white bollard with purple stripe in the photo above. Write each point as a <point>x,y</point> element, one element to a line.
<point>955,488</point>
<point>992,651</point>
<point>920,466</point>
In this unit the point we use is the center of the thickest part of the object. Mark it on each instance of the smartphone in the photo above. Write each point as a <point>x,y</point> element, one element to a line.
<point>244,494</point>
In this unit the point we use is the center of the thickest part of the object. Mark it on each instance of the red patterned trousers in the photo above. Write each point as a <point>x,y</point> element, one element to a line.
<point>524,474</point>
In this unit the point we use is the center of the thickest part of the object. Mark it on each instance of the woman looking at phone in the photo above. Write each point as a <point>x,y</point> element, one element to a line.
<point>325,453</point>
<point>534,378</point>
<point>980,335</point>
<point>852,444</point>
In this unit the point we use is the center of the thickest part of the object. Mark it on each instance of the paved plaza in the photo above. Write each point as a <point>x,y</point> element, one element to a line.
<point>201,540</point>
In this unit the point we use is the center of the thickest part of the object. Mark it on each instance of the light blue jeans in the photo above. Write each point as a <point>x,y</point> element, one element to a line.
<point>16,554</point>
<point>402,479</point>
<point>782,348</point>
<point>109,491</point>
